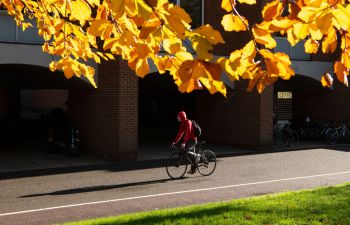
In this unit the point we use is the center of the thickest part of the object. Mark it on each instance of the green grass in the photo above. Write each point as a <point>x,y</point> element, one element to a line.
<point>330,205</point>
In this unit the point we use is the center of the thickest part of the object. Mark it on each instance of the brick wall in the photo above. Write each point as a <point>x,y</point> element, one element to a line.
<point>244,118</point>
<point>322,103</point>
<point>107,116</point>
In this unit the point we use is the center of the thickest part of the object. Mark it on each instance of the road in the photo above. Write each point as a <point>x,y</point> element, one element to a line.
<point>76,195</point>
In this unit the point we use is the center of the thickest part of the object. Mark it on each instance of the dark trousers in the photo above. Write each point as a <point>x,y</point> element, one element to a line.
<point>190,150</point>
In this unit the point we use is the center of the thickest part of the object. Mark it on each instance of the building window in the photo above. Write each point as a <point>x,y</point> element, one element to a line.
<point>193,7</point>
<point>10,32</point>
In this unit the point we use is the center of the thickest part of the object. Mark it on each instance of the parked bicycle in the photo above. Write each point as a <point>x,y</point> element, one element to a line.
<point>178,162</point>
<point>341,132</point>
<point>314,131</point>
<point>283,134</point>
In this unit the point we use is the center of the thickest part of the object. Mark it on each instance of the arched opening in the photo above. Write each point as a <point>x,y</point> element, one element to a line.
<point>159,103</point>
<point>26,93</point>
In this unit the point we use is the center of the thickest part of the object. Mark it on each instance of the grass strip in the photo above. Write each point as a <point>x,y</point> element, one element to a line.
<point>326,205</point>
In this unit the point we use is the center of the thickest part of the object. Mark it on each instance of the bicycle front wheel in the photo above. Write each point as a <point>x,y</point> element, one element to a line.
<point>331,136</point>
<point>176,166</point>
<point>207,163</point>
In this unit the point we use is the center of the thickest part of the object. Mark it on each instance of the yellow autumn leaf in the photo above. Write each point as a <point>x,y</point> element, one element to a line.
<point>249,2</point>
<point>80,11</point>
<point>324,22</point>
<point>98,27</point>
<point>227,5</point>
<point>292,37</point>
<point>277,64</point>
<point>180,13</point>
<point>183,56</point>
<point>201,45</point>
<point>248,51</point>
<point>214,86</point>
<point>315,33</point>
<point>143,9</point>
<point>142,68</point>
<point>117,8</point>
<point>311,46</point>
<point>150,26</point>
<point>264,37</point>
<point>272,10</point>
<point>233,23</point>
<point>327,80</point>
<point>213,36</point>
<point>212,70</point>
<point>94,2</point>
<point>342,73</point>
<point>329,44</point>
<point>310,13</point>
<point>301,30</point>
<point>279,24</point>
<point>255,80</point>
<point>172,45</point>
<point>342,16</point>
<point>345,58</point>
<point>190,85</point>
<point>175,23</point>
<point>163,64</point>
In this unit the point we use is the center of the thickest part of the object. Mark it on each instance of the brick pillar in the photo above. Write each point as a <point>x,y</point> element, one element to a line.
<point>108,116</point>
<point>127,112</point>
<point>266,119</point>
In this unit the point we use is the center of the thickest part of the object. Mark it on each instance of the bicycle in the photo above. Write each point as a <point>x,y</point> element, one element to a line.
<point>178,162</point>
<point>283,134</point>
<point>334,134</point>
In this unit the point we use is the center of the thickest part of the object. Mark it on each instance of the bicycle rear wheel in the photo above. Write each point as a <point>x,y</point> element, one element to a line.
<point>176,166</point>
<point>331,136</point>
<point>207,163</point>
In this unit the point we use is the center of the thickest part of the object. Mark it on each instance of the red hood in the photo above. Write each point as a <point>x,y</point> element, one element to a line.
<point>182,116</point>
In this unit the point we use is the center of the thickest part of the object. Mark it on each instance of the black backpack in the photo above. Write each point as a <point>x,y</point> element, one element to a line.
<point>197,128</point>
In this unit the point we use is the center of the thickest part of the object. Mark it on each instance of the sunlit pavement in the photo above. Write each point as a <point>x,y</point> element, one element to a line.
<point>106,191</point>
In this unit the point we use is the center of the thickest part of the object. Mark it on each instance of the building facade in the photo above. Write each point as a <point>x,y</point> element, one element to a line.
<point>126,111</point>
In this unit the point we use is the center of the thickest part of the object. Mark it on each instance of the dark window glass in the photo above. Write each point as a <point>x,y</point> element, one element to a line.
<point>194,8</point>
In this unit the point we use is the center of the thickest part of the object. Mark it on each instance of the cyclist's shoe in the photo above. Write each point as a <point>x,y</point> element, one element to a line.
<point>192,171</point>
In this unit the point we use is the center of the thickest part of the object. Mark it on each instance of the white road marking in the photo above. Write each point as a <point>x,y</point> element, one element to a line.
<point>173,193</point>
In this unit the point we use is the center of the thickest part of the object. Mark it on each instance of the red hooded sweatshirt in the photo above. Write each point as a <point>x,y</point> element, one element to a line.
<point>185,129</point>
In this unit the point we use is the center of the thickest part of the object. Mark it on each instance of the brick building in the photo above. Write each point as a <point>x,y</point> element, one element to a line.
<point>125,111</point>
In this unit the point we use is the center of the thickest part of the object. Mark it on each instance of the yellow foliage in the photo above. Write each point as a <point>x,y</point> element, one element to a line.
<point>342,73</point>
<point>327,80</point>
<point>272,10</point>
<point>142,30</point>
<point>80,11</point>
<point>232,22</point>
<point>227,5</point>
<point>264,37</point>
<point>250,2</point>
<point>311,46</point>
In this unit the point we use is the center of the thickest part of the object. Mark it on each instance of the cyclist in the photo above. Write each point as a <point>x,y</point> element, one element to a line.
<point>189,139</point>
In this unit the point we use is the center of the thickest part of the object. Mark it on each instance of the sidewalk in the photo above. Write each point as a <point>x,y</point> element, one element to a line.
<point>19,157</point>
<point>32,156</point>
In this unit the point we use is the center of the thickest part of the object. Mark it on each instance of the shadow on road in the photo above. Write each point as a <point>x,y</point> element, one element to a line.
<point>157,163</point>
<point>97,188</point>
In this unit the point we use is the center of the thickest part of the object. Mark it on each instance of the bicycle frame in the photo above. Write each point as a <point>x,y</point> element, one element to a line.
<point>342,130</point>
<point>182,152</point>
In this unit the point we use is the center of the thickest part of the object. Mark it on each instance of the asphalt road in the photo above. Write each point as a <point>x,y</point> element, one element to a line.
<point>58,198</point>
